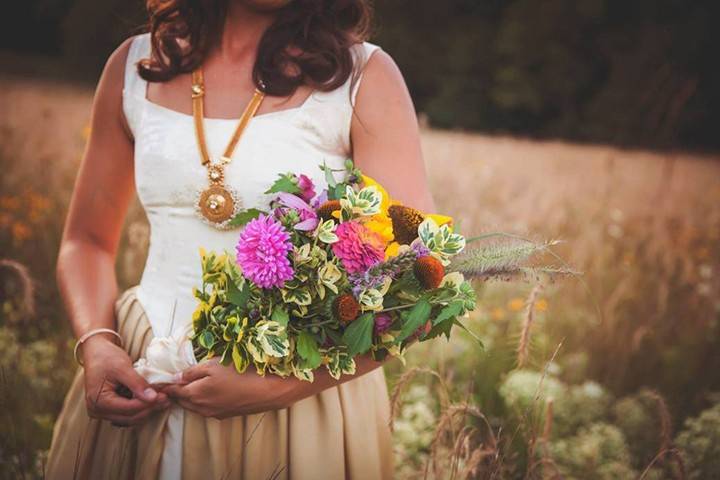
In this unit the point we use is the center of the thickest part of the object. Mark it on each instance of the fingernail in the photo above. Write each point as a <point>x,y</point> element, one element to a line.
<point>177,378</point>
<point>150,394</point>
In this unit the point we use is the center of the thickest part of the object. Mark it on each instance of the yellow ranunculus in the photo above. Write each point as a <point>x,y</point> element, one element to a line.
<point>392,250</point>
<point>439,219</point>
<point>381,223</point>
<point>386,201</point>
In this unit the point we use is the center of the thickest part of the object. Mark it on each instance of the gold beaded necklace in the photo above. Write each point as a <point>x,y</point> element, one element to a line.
<point>218,203</point>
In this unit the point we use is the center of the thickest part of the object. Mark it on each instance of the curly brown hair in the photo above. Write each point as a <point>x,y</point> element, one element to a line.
<point>308,43</point>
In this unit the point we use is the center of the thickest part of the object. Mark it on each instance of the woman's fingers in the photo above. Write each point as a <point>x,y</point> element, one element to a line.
<point>138,385</point>
<point>193,407</point>
<point>117,405</point>
<point>197,372</point>
<point>129,420</point>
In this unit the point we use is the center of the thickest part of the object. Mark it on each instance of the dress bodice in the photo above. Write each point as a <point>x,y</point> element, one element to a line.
<point>168,173</point>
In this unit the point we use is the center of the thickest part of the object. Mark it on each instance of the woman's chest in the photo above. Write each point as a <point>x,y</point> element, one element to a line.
<point>168,168</point>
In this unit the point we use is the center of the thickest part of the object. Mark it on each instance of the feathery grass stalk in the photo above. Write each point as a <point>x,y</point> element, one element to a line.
<point>26,283</point>
<point>404,380</point>
<point>504,259</point>
<point>445,428</point>
<point>524,344</point>
<point>665,420</point>
<point>538,392</point>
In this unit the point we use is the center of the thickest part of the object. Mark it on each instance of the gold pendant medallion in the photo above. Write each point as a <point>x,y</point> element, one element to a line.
<point>218,203</point>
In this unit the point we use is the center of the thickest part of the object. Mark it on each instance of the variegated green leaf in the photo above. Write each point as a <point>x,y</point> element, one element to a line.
<point>272,338</point>
<point>440,240</point>
<point>325,232</point>
<point>366,202</point>
<point>240,361</point>
<point>300,296</point>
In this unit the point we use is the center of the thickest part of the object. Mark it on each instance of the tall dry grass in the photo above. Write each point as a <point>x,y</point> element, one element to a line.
<point>643,227</point>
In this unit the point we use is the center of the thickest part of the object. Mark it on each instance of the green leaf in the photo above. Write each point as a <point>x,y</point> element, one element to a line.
<point>417,316</point>
<point>239,360</point>
<point>284,184</point>
<point>206,339</point>
<point>329,177</point>
<point>451,310</point>
<point>335,336</point>
<point>300,296</point>
<point>280,315</point>
<point>307,348</point>
<point>475,337</point>
<point>224,359</point>
<point>442,328</point>
<point>358,335</point>
<point>237,296</point>
<point>244,217</point>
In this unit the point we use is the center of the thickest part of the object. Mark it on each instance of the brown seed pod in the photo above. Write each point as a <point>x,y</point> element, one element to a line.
<point>346,308</point>
<point>405,223</point>
<point>326,210</point>
<point>429,272</point>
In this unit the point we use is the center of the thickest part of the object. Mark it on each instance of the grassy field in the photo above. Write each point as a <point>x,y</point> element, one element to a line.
<point>609,375</point>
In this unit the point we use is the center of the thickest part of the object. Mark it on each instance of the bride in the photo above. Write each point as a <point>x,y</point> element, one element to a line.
<point>166,123</point>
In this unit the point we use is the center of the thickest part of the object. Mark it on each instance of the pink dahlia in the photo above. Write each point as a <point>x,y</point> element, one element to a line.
<point>358,247</point>
<point>262,252</point>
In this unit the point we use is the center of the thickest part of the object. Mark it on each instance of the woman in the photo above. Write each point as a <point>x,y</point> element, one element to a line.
<point>308,57</point>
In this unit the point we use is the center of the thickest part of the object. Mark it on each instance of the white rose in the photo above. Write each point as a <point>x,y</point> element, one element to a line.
<point>166,357</point>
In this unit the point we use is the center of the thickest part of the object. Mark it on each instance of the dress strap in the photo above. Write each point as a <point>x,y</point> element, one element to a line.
<point>361,55</point>
<point>139,49</point>
<point>135,87</point>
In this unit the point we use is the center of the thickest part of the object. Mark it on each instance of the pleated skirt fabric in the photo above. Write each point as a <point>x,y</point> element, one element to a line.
<point>340,433</point>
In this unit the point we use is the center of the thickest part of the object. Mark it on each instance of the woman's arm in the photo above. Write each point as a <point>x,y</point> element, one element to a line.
<point>86,260</point>
<point>386,146</point>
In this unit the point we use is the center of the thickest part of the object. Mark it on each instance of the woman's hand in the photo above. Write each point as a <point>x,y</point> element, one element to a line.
<point>213,390</point>
<point>107,370</point>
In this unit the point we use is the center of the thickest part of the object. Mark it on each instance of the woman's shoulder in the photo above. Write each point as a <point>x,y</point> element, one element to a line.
<point>377,69</point>
<point>131,50</point>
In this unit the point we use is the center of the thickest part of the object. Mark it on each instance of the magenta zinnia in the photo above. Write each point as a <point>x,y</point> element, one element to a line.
<point>358,247</point>
<point>262,252</point>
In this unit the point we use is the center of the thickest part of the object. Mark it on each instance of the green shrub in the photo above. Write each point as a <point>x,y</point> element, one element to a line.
<point>597,452</point>
<point>700,443</point>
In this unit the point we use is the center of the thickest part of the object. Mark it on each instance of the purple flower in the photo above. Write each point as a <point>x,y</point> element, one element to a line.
<point>307,189</point>
<point>419,248</point>
<point>382,323</point>
<point>262,252</point>
<point>308,217</point>
<point>320,199</point>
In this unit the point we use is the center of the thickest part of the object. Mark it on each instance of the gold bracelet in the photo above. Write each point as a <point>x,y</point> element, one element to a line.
<point>89,334</point>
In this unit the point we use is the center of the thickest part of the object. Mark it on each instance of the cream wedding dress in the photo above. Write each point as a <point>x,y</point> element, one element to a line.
<point>341,432</point>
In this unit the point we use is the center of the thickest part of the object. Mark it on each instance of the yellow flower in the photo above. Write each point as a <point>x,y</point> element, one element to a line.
<point>386,201</point>
<point>392,250</point>
<point>516,304</point>
<point>381,223</point>
<point>439,219</point>
<point>541,305</point>
<point>497,313</point>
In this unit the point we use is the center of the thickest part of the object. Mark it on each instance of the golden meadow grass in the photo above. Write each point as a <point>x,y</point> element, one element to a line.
<point>643,227</point>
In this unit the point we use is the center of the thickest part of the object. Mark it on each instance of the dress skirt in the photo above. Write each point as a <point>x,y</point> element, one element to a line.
<point>340,433</point>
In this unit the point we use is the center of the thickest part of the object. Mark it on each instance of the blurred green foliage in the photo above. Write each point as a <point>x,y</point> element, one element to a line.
<point>611,71</point>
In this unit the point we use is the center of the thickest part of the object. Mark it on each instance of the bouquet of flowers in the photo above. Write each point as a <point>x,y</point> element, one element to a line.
<point>321,278</point>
